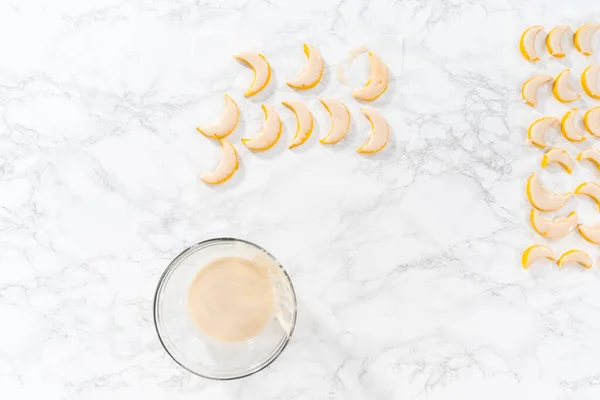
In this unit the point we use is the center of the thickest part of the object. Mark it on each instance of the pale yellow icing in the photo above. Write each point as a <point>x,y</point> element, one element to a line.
<point>538,129</point>
<point>558,156</point>
<point>553,228</point>
<point>531,86</point>
<point>555,39</point>
<point>589,189</point>
<point>378,81</point>
<point>340,120</point>
<point>261,68</point>
<point>226,123</point>
<point>592,155</point>
<point>541,198</point>
<point>529,39</point>
<point>227,166</point>
<point>352,54</point>
<point>562,89</point>
<point>591,232</point>
<point>568,128</point>
<point>591,120</point>
<point>535,253</point>
<point>583,38</point>
<point>379,134</point>
<point>231,299</point>
<point>589,80</point>
<point>576,256</point>
<point>269,133</point>
<point>310,75</point>
<point>304,120</point>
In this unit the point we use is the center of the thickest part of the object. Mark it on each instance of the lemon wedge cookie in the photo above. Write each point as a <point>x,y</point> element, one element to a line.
<point>269,133</point>
<point>378,81</point>
<point>553,228</point>
<point>592,155</point>
<point>591,121</point>
<point>590,189</point>
<point>535,253</point>
<point>340,120</point>
<point>537,130</point>
<point>583,38</point>
<point>558,156</point>
<point>310,75</point>
<point>541,198</point>
<point>568,128</point>
<point>575,256</point>
<point>380,132</point>
<point>226,123</point>
<point>531,86</point>
<point>304,119</point>
<point>562,89</point>
<point>554,41</point>
<point>261,68</point>
<point>591,233</point>
<point>527,43</point>
<point>227,166</point>
<point>589,81</point>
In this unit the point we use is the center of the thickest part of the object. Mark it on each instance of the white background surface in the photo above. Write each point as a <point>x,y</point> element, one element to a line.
<point>406,263</point>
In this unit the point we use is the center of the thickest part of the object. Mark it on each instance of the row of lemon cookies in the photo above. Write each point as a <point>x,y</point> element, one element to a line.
<point>582,40</point>
<point>308,77</point>
<point>312,72</point>
<point>536,134</point>
<point>559,156</point>
<point>538,252</point>
<point>561,87</point>
<point>272,128</point>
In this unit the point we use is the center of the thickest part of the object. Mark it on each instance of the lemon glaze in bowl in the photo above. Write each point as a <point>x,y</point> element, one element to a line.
<point>201,354</point>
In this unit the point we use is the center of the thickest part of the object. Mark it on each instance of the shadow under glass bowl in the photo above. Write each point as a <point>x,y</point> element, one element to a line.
<point>201,354</point>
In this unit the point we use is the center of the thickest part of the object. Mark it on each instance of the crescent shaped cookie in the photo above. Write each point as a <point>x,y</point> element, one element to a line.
<point>591,121</point>
<point>380,132</point>
<point>531,86</point>
<point>553,228</point>
<point>535,253</point>
<point>269,133</point>
<point>378,81</point>
<point>261,68</point>
<point>226,123</point>
<point>562,89</point>
<point>591,233</point>
<point>304,120</point>
<point>568,128</point>
<point>538,129</point>
<point>590,189</point>
<point>310,75</point>
<point>592,155</point>
<point>589,81</point>
<point>227,166</point>
<point>575,256</point>
<point>340,120</point>
<point>558,156</point>
<point>554,41</point>
<point>583,38</point>
<point>541,198</point>
<point>527,43</point>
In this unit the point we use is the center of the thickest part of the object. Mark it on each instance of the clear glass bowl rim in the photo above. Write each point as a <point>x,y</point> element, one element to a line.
<point>171,267</point>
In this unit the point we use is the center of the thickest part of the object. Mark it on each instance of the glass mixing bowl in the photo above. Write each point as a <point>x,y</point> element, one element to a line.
<point>200,354</point>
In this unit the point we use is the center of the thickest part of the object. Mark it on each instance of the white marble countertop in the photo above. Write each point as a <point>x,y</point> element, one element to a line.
<point>406,264</point>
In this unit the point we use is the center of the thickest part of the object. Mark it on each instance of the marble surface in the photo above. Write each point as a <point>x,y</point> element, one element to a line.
<point>406,263</point>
